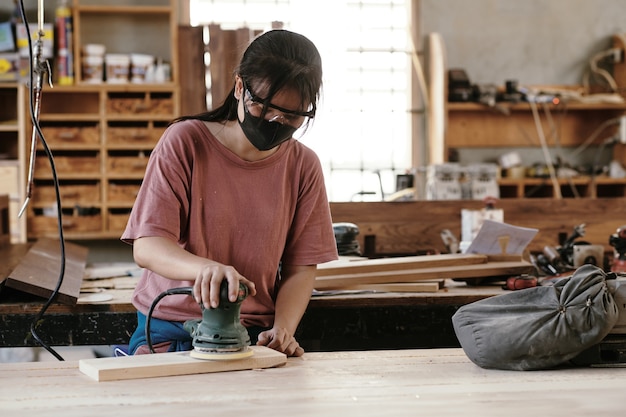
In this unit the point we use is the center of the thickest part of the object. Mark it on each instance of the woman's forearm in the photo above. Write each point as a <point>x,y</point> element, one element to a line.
<point>293,296</point>
<point>167,259</point>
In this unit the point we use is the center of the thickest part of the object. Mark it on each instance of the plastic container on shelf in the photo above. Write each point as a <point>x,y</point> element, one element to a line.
<point>117,68</point>
<point>141,66</point>
<point>94,49</point>
<point>93,69</point>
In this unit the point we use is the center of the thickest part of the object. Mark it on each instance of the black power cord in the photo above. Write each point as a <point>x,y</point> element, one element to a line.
<point>171,291</point>
<point>33,116</point>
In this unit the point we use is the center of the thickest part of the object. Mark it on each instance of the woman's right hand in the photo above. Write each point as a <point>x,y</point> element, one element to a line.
<point>206,287</point>
<point>168,259</point>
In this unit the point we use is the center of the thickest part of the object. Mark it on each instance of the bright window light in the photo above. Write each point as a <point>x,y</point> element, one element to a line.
<point>361,132</point>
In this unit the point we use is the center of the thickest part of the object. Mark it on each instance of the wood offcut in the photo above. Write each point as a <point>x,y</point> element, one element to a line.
<point>174,363</point>
<point>411,269</point>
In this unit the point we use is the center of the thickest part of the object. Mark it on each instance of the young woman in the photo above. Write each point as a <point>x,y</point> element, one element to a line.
<point>230,195</point>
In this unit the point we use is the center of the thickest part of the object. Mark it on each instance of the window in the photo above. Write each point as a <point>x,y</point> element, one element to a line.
<point>362,130</point>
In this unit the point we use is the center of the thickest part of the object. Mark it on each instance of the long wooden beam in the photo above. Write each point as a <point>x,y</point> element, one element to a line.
<point>415,227</point>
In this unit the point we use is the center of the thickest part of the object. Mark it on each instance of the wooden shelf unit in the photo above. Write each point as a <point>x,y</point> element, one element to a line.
<point>576,187</point>
<point>125,27</point>
<point>101,135</point>
<point>472,125</point>
<point>100,155</point>
<point>12,156</point>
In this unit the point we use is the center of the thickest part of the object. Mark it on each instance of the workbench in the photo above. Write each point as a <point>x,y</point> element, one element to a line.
<point>425,382</point>
<point>345,321</point>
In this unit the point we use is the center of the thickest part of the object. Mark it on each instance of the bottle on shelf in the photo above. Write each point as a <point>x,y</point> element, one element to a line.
<point>64,59</point>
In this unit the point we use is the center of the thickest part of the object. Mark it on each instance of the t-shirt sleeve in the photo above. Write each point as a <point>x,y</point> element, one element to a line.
<point>162,202</point>
<point>311,239</point>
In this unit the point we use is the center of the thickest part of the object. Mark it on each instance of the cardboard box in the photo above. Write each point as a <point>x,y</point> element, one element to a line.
<point>9,67</point>
<point>7,43</point>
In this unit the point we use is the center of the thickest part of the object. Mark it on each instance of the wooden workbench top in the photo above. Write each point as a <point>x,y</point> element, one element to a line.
<point>429,382</point>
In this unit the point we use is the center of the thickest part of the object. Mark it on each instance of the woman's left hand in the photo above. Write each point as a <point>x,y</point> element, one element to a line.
<point>279,339</point>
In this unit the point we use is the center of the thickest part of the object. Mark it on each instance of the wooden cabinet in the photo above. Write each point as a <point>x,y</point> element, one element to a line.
<point>474,126</point>
<point>12,153</point>
<point>101,138</point>
<point>101,134</point>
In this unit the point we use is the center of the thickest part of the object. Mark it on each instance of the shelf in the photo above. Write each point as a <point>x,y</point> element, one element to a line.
<point>102,134</point>
<point>8,126</point>
<point>577,187</point>
<point>526,106</point>
<point>59,117</point>
<point>472,125</point>
<point>127,27</point>
<point>124,9</point>
<point>475,127</point>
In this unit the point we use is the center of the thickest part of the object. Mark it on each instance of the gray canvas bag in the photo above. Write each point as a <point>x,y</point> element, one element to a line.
<point>540,327</point>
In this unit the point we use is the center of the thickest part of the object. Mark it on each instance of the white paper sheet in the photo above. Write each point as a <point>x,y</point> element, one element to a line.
<point>495,238</point>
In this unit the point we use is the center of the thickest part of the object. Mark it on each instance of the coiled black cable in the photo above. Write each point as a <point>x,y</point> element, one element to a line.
<point>33,116</point>
<point>171,291</point>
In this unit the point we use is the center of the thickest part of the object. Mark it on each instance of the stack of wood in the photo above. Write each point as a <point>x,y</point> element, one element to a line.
<point>415,273</point>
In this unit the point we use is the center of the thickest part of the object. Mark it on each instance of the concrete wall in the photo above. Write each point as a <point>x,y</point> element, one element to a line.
<point>533,41</point>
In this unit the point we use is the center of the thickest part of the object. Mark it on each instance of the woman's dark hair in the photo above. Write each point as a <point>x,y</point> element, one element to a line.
<point>277,59</point>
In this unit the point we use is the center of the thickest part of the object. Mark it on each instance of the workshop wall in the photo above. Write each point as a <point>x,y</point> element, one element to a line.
<point>536,42</point>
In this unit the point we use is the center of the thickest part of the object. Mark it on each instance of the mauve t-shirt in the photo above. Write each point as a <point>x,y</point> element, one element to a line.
<point>251,215</point>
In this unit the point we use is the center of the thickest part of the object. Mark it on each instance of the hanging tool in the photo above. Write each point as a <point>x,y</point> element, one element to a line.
<point>450,240</point>
<point>567,248</point>
<point>567,257</point>
<point>40,68</point>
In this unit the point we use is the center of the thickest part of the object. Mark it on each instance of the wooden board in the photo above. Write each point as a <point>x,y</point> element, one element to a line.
<point>11,256</point>
<point>426,286</point>
<point>491,269</point>
<point>401,263</point>
<point>5,232</point>
<point>412,227</point>
<point>174,363</point>
<point>38,271</point>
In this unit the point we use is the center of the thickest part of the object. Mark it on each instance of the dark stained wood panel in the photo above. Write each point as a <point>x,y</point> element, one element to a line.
<point>39,269</point>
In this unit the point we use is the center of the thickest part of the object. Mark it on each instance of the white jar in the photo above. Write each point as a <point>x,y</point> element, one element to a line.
<point>117,68</point>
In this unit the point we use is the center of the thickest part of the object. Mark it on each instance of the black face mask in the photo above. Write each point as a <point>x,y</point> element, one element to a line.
<point>263,134</point>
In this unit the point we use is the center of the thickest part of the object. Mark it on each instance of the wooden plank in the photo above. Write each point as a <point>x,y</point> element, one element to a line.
<point>174,363</point>
<point>341,267</point>
<point>38,271</point>
<point>401,228</point>
<point>190,56</point>
<point>471,125</point>
<point>426,286</point>
<point>226,48</point>
<point>491,269</point>
<point>5,232</point>
<point>11,256</point>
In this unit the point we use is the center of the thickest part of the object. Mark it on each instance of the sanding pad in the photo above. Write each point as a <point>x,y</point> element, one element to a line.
<point>222,356</point>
